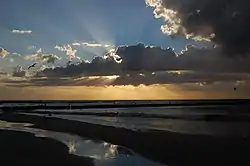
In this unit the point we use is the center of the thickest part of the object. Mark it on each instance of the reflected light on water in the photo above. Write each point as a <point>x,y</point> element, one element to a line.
<point>111,153</point>
<point>72,147</point>
<point>13,124</point>
<point>103,153</point>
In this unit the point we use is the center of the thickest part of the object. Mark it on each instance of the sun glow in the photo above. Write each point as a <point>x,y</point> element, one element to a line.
<point>113,77</point>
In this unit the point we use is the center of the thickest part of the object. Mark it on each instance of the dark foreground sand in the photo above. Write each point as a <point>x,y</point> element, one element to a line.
<point>165,147</point>
<point>24,149</point>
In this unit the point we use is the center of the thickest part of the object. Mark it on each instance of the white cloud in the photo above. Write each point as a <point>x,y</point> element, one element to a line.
<point>21,31</point>
<point>39,50</point>
<point>40,57</point>
<point>49,58</point>
<point>3,52</point>
<point>95,45</point>
<point>112,54</point>
<point>43,67</point>
<point>86,44</point>
<point>92,44</point>
<point>12,60</point>
<point>31,47</point>
<point>76,44</point>
<point>170,16</point>
<point>34,57</point>
<point>174,22</point>
<point>19,72</point>
<point>67,49</point>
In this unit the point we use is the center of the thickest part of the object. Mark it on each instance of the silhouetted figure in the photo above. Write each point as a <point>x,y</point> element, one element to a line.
<point>33,65</point>
<point>235,88</point>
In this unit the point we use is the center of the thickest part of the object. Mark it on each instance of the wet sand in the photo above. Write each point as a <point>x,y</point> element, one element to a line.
<point>165,147</point>
<point>20,148</point>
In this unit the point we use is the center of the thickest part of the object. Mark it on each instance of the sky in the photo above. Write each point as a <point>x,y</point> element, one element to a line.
<point>116,49</point>
<point>55,22</point>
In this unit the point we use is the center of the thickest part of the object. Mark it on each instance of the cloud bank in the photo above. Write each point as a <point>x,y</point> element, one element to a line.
<point>140,64</point>
<point>225,22</point>
<point>146,59</point>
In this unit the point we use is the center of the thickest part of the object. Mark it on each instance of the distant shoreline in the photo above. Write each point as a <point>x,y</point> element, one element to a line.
<point>134,104</point>
<point>108,101</point>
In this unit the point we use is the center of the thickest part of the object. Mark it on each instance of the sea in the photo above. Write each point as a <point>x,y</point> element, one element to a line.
<point>188,120</point>
<point>191,119</point>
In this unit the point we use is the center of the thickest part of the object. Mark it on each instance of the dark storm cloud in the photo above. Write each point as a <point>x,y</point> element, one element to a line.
<point>97,67</point>
<point>148,65</point>
<point>211,60</point>
<point>226,22</point>
<point>149,59</point>
<point>144,59</point>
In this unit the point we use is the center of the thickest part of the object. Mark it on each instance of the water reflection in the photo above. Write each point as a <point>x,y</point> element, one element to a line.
<point>13,124</point>
<point>105,154</point>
